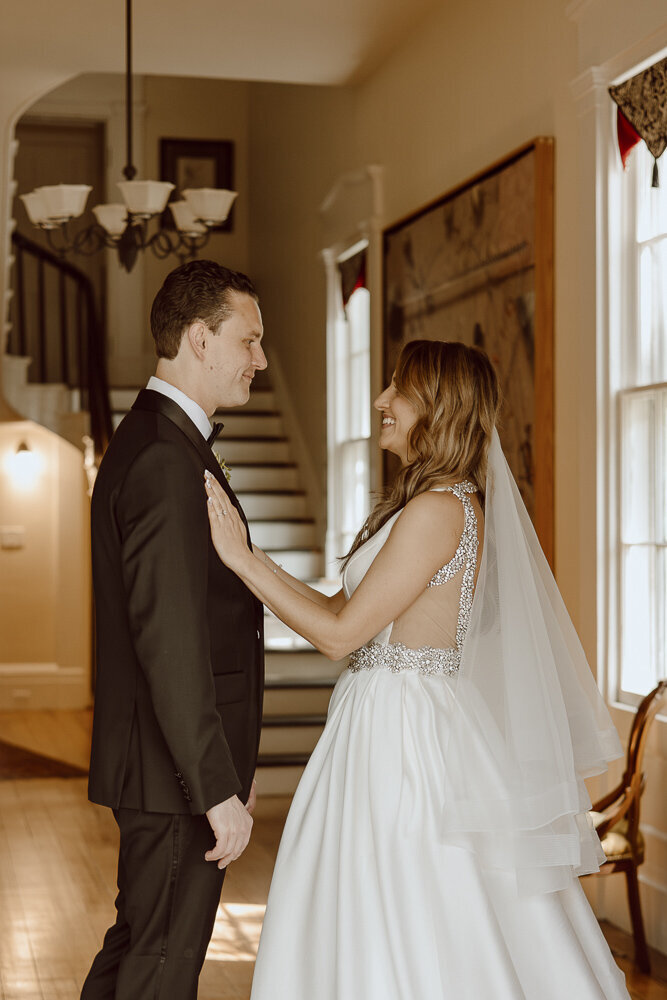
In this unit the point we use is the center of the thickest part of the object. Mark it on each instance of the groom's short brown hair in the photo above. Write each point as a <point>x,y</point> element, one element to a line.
<point>198,290</point>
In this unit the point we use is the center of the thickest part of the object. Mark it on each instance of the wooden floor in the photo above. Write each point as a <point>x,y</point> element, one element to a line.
<point>57,876</point>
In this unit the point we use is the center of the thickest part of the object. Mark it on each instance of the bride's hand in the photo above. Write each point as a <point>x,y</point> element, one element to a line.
<point>228,532</point>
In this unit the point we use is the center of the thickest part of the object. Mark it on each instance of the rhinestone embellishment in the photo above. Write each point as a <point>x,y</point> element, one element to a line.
<point>465,556</point>
<point>395,656</point>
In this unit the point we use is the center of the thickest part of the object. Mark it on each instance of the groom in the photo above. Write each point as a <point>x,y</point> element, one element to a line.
<point>179,645</point>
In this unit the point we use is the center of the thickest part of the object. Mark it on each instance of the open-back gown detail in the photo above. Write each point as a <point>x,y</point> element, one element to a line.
<point>367,901</point>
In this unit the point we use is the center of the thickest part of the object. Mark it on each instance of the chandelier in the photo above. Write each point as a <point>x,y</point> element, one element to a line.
<point>126,226</point>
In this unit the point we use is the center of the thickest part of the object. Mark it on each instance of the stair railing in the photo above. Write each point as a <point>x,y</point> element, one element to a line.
<point>55,322</point>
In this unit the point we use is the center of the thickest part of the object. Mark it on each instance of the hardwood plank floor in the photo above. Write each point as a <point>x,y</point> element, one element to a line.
<point>57,877</point>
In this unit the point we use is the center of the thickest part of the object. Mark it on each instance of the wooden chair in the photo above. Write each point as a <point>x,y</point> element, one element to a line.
<point>616,819</point>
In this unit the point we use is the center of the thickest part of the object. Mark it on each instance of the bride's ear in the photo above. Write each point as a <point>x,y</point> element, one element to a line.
<point>197,334</point>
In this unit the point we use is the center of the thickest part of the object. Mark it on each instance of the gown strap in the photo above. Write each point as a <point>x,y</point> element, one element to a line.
<point>464,558</point>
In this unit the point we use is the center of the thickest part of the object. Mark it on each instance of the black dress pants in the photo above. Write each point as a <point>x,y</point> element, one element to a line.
<point>167,900</point>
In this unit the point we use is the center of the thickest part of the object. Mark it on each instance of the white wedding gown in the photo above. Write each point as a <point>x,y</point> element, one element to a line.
<point>367,902</point>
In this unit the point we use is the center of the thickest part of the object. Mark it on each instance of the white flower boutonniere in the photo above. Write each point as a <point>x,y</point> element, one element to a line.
<point>223,465</point>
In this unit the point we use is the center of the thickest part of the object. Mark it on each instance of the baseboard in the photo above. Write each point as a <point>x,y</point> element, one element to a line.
<point>43,686</point>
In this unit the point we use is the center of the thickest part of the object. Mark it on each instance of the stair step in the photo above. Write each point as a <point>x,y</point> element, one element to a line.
<point>278,636</point>
<point>281,740</point>
<point>264,478</point>
<point>283,534</point>
<point>246,423</point>
<point>287,668</point>
<point>278,506</point>
<point>279,779</point>
<point>253,452</point>
<point>303,564</point>
<point>122,399</point>
<point>282,759</point>
<point>261,398</point>
<point>288,721</point>
<point>307,701</point>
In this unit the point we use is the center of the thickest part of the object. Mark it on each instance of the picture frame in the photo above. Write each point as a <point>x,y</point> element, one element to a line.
<point>476,265</point>
<point>197,163</point>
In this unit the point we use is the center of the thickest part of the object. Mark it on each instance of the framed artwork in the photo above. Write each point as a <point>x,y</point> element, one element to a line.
<point>477,266</point>
<point>194,163</point>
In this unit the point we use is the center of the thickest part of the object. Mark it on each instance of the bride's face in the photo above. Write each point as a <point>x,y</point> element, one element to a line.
<point>398,418</point>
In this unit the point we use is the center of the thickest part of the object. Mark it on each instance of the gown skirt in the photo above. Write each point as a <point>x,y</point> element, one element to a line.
<point>367,903</point>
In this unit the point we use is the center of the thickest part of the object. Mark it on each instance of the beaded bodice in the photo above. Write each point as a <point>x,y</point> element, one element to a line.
<point>428,619</point>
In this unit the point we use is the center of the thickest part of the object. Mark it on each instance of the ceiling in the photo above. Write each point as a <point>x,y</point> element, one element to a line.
<point>297,41</point>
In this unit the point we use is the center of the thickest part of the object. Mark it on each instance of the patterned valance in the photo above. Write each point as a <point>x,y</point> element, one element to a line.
<point>642,112</point>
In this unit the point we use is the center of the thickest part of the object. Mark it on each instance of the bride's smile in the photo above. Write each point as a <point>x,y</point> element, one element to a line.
<point>398,418</point>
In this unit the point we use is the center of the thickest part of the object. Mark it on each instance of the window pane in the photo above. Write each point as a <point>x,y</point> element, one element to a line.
<point>638,667</point>
<point>652,334</point>
<point>637,410</point>
<point>651,202</point>
<point>358,316</point>
<point>359,396</point>
<point>661,469</point>
<point>354,485</point>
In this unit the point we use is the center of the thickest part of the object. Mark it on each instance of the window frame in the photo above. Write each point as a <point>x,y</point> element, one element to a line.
<point>623,380</point>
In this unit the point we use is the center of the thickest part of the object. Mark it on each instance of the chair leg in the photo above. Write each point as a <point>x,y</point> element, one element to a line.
<point>641,949</point>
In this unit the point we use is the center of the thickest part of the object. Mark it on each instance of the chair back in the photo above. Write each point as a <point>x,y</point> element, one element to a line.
<point>633,778</point>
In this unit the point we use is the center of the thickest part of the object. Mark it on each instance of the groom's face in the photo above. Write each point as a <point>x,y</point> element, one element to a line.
<point>234,353</point>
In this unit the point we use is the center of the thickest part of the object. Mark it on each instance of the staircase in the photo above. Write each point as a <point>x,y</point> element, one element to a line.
<point>54,371</point>
<point>267,481</point>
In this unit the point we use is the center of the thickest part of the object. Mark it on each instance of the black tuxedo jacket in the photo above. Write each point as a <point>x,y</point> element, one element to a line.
<point>179,637</point>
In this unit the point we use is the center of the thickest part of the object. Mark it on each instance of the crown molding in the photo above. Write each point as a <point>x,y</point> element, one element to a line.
<point>589,89</point>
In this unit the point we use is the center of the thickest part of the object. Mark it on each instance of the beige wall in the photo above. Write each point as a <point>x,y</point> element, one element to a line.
<point>45,610</point>
<point>191,108</point>
<point>299,142</point>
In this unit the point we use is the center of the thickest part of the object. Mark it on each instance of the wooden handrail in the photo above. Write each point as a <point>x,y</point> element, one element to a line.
<point>77,356</point>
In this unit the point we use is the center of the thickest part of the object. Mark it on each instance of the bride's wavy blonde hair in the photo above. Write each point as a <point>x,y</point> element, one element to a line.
<point>456,393</point>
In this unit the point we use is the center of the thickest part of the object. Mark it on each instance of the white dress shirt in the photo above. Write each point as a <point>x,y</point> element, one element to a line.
<point>193,410</point>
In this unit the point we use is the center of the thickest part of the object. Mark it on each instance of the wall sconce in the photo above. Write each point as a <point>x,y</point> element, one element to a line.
<point>24,467</point>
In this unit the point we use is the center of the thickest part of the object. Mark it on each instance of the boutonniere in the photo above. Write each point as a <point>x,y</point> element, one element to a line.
<point>223,465</point>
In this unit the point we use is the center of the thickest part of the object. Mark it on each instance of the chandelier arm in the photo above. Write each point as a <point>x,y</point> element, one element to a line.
<point>61,247</point>
<point>196,243</point>
<point>90,240</point>
<point>162,243</point>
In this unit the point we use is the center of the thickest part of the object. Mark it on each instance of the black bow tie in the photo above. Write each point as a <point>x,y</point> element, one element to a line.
<point>210,440</point>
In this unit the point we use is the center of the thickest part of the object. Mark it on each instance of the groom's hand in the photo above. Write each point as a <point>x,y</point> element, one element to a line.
<point>252,798</point>
<point>231,823</point>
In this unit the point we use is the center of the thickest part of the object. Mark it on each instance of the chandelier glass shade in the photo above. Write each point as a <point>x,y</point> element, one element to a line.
<point>125,225</point>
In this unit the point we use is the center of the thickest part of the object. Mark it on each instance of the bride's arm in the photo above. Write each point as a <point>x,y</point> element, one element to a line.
<point>334,602</point>
<point>424,537</point>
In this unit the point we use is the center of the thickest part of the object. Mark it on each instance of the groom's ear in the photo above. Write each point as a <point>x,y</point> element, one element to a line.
<point>197,334</point>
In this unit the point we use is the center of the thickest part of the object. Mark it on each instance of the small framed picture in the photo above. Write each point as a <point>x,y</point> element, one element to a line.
<point>197,163</point>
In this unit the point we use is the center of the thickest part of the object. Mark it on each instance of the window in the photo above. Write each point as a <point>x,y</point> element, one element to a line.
<point>640,399</point>
<point>349,411</point>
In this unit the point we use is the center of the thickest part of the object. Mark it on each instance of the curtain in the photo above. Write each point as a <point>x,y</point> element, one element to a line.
<point>352,275</point>
<point>642,112</point>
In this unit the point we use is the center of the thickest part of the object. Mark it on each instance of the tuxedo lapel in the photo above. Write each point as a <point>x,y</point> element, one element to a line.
<point>156,402</point>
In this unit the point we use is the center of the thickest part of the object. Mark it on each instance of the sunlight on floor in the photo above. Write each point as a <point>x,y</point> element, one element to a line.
<point>236,933</point>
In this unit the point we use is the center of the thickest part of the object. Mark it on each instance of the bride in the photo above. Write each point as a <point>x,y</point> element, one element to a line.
<point>434,842</point>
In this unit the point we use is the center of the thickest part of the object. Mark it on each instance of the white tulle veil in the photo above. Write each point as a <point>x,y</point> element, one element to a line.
<point>529,723</point>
